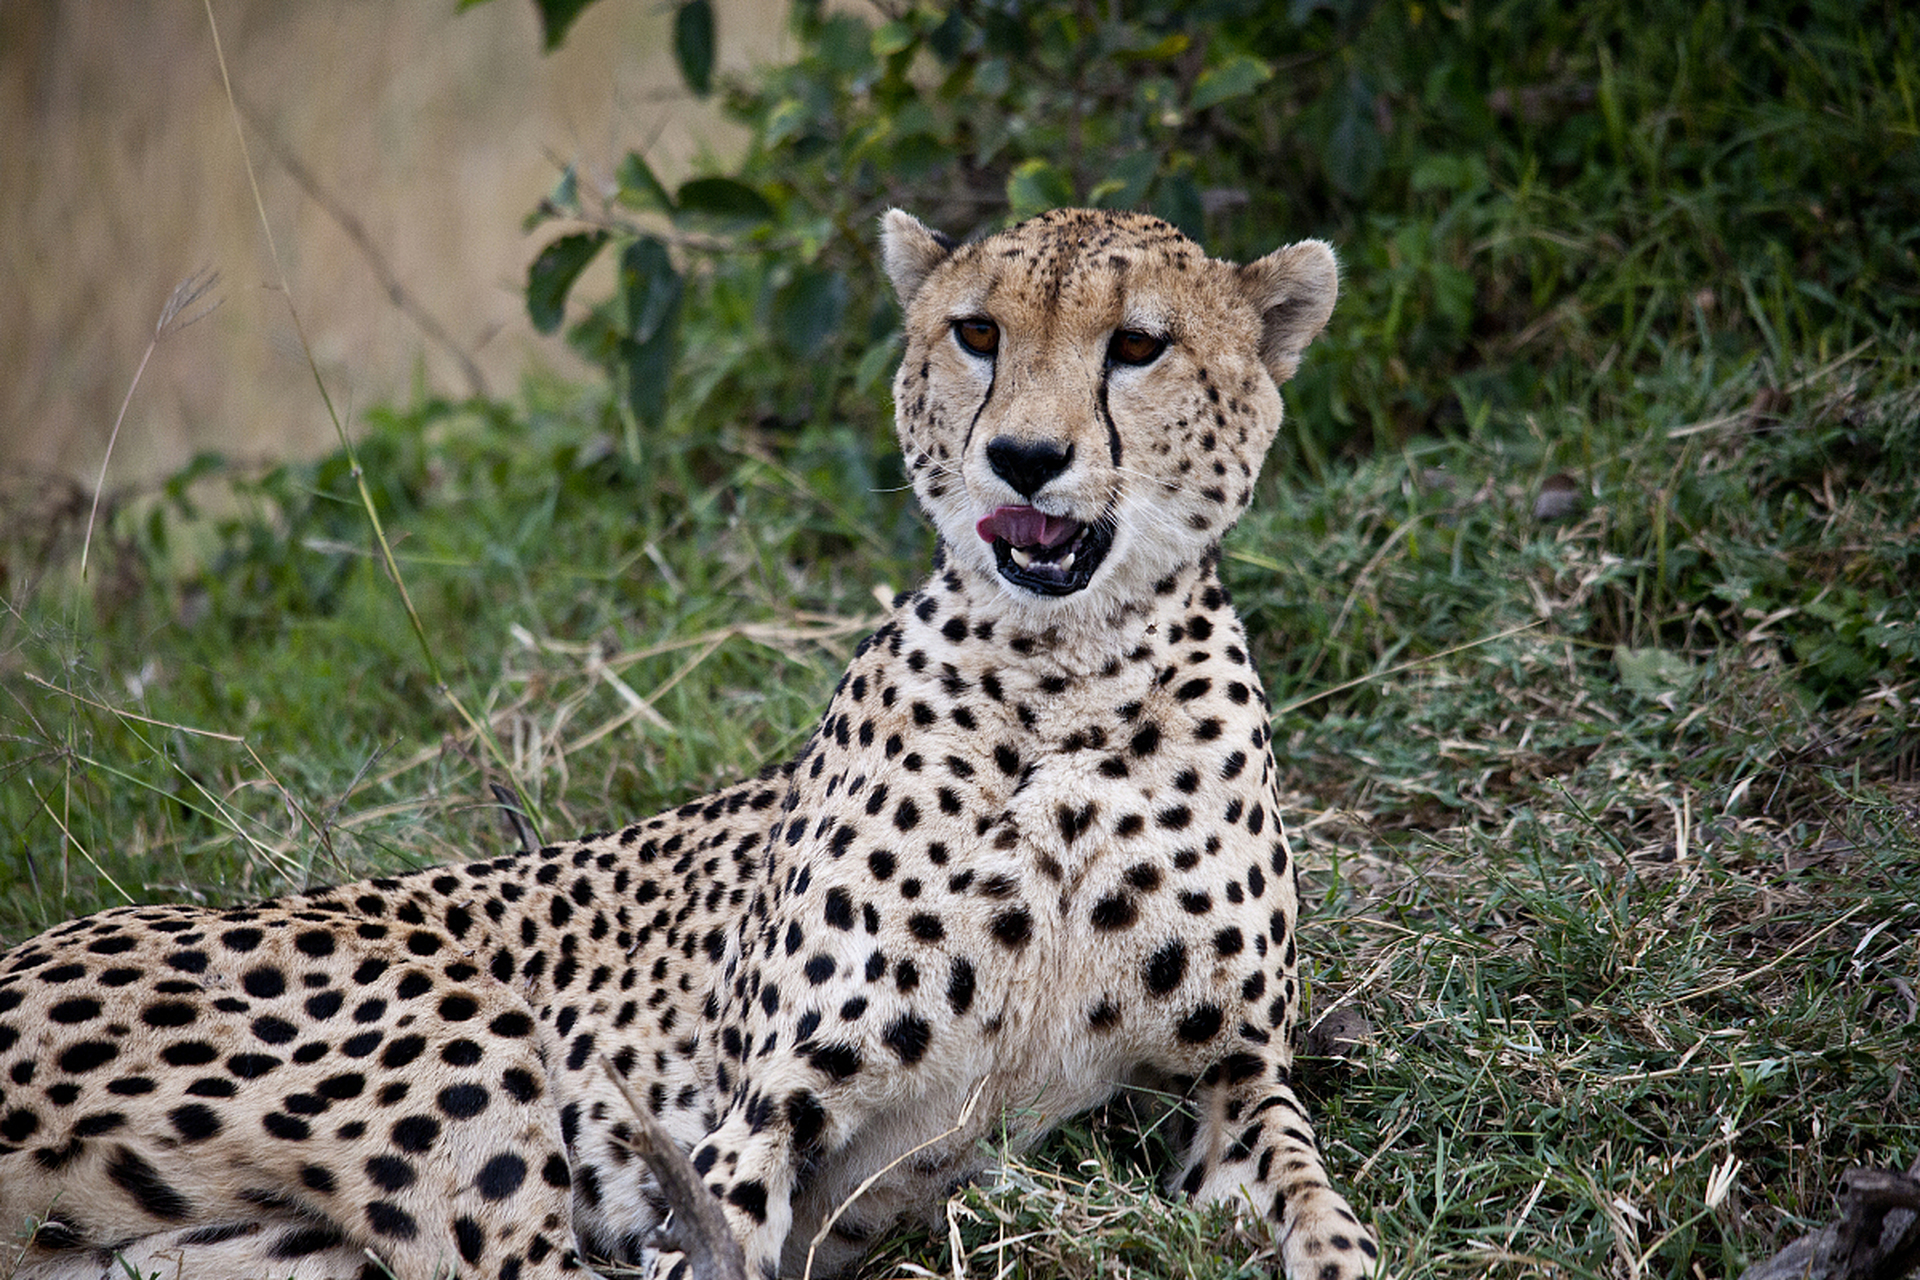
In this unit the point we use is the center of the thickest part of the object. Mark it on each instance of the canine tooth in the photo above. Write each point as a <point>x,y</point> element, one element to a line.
<point>1020,557</point>
<point>1066,561</point>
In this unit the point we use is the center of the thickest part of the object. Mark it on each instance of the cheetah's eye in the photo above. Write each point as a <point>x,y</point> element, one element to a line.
<point>978,335</point>
<point>1135,346</point>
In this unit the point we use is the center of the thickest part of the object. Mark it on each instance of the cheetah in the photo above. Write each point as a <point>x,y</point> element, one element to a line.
<point>1031,853</point>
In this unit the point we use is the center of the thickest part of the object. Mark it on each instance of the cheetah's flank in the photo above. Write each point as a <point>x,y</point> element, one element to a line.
<point>1032,852</point>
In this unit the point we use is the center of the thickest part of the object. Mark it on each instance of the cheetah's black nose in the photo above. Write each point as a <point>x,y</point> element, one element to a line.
<point>1027,465</point>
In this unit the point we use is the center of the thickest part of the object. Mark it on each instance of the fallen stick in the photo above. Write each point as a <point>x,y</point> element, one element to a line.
<point>696,1227</point>
<point>1876,1238</point>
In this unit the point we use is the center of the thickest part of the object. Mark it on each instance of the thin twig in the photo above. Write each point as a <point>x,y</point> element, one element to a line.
<point>388,561</point>
<point>966,1114</point>
<point>356,231</point>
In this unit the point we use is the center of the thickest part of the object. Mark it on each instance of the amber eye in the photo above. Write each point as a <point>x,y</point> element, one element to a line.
<point>978,335</point>
<point>1133,346</point>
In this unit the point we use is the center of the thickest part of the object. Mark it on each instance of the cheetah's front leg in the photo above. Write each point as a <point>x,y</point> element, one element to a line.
<point>1254,1142</point>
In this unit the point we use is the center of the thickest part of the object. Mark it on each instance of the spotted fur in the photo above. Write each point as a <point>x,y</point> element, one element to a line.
<point>1032,851</point>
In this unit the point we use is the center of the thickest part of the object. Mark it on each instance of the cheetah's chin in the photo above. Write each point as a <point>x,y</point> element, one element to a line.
<point>1047,555</point>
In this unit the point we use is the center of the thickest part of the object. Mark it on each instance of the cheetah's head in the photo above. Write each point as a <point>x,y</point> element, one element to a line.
<point>1086,399</point>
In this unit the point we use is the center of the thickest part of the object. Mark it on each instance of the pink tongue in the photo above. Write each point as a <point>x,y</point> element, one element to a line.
<point>1025,527</point>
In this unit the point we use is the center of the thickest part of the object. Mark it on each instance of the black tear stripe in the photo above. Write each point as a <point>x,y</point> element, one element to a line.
<point>1106,416</point>
<point>985,400</point>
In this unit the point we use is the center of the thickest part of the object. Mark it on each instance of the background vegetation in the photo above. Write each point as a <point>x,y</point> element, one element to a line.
<point>1584,580</point>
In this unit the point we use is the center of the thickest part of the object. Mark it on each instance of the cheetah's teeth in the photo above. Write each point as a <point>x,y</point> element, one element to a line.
<point>1020,557</point>
<point>1066,561</point>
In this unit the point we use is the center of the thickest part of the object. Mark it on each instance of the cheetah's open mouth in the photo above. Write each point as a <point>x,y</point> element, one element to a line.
<point>1048,555</point>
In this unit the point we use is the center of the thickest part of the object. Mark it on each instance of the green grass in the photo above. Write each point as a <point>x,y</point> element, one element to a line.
<point>1611,816</point>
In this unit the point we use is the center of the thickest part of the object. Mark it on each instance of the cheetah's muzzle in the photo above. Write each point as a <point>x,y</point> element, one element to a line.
<point>1047,555</point>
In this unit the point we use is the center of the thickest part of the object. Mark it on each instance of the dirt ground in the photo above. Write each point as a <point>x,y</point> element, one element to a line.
<point>430,131</point>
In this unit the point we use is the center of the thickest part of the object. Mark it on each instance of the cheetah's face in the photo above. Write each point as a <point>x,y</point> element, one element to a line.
<point>1086,399</point>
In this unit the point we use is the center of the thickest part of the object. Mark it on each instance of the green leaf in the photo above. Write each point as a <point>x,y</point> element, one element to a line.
<point>556,16</point>
<point>552,275</point>
<point>647,369</point>
<point>1238,76</point>
<point>807,312</point>
<point>1126,183</point>
<point>1178,201</point>
<point>693,44</point>
<point>893,37</point>
<point>649,286</point>
<point>639,188</point>
<point>1037,186</point>
<point>726,199</point>
<point>651,290</point>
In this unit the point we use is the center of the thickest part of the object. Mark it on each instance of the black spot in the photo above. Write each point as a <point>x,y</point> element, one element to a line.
<point>194,1122</point>
<point>101,1122</point>
<point>274,1030</point>
<point>1013,927</point>
<point>168,1013</point>
<point>806,1117</point>
<point>341,1087</point>
<point>264,983</point>
<point>87,1055</point>
<point>391,1220</point>
<point>501,1176</point>
<point>511,1025</point>
<point>361,1045</point>
<point>1166,967</point>
<point>907,816</point>
<point>1104,1016</point>
<point>462,1101</point>
<point>839,908</point>
<point>317,943</point>
<point>188,961</point>
<point>149,1190</point>
<point>1115,911</point>
<point>458,1007</point>
<point>415,1133</point>
<point>470,1239</point>
<point>303,1241</point>
<point>369,972</point>
<point>908,1037</point>
<point>1146,740</point>
<point>1200,1026</point>
<point>460,1053</point>
<point>81,1009</point>
<point>290,1128</point>
<point>960,985</point>
<point>403,1051</point>
<point>926,926</point>
<point>391,1173</point>
<point>240,939</point>
<point>837,1061</point>
<point>519,1084</point>
<point>324,1005</point>
<point>251,1066</point>
<point>751,1198</point>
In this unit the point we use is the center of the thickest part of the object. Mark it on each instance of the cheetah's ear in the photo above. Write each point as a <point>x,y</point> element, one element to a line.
<point>1294,289</point>
<point>912,250</point>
